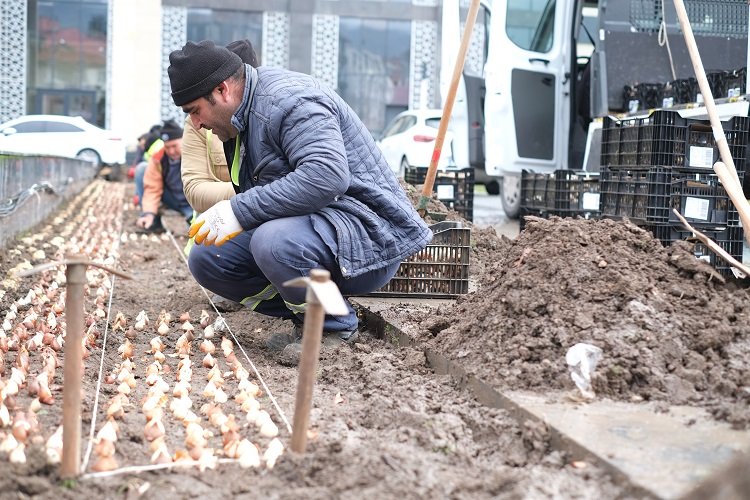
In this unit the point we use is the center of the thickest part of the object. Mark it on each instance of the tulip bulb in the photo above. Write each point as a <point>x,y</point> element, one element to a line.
<point>21,427</point>
<point>248,454</point>
<point>161,456</point>
<point>208,332</point>
<point>273,452</point>
<point>9,443</point>
<point>184,317</point>
<point>163,329</point>
<point>250,404</point>
<point>119,322</point>
<point>226,346</point>
<point>104,448</point>
<point>154,429</point>
<point>126,350</point>
<point>115,409</point>
<point>249,387</point>
<point>156,344</point>
<point>209,361</point>
<point>108,431</point>
<point>53,447</point>
<point>207,346</point>
<point>204,318</point>
<point>104,464</point>
<point>18,455</point>
<point>220,396</point>
<point>4,415</point>
<point>183,345</point>
<point>194,436</point>
<point>160,357</point>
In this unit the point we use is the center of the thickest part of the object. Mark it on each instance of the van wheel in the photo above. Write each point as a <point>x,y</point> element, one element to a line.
<point>510,187</point>
<point>492,187</point>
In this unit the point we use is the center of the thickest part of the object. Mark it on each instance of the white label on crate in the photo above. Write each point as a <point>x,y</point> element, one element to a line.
<point>707,258</point>
<point>667,102</point>
<point>699,98</point>
<point>445,192</point>
<point>591,201</point>
<point>633,105</point>
<point>697,208</point>
<point>737,273</point>
<point>701,157</point>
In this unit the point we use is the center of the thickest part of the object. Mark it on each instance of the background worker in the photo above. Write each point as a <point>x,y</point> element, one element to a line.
<point>151,144</point>
<point>314,189</point>
<point>162,182</point>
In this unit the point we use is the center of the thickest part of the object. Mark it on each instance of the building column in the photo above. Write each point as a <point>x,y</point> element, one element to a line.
<point>173,37</point>
<point>13,36</point>
<point>423,65</point>
<point>275,40</point>
<point>325,49</point>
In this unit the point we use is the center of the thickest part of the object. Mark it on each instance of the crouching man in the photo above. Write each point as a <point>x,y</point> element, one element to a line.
<point>313,190</point>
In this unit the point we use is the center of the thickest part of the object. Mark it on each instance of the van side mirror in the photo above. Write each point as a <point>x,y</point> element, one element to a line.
<point>9,131</point>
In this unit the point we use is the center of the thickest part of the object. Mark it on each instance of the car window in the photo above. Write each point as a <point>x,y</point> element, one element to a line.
<point>62,127</point>
<point>393,128</point>
<point>409,121</point>
<point>29,127</point>
<point>432,122</point>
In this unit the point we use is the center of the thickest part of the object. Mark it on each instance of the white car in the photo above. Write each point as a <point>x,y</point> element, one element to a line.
<point>57,135</point>
<point>409,140</point>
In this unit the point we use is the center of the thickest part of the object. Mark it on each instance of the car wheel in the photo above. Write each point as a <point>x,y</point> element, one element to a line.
<point>404,167</point>
<point>510,194</point>
<point>492,187</point>
<point>91,156</point>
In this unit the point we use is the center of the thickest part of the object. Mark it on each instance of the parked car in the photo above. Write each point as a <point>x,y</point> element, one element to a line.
<point>58,135</point>
<point>409,140</point>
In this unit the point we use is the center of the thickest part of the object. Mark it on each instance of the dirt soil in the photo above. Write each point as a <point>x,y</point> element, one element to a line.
<point>670,329</point>
<point>383,424</point>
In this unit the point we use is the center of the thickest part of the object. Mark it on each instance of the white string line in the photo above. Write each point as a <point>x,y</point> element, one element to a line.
<point>94,412</point>
<point>147,468</point>
<point>252,365</point>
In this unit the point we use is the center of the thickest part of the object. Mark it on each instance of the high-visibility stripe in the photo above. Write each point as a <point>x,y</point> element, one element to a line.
<point>235,173</point>
<point>295,308</point>
<point>254,301</point>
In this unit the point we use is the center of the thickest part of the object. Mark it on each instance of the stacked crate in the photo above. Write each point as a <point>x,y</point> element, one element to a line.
<point>654,164</point>
<point>455,188</point>
<point>565,193</point>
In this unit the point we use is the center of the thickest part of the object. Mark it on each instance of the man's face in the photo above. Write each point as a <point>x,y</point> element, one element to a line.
<point>173,149</point>
<point>214,112</point>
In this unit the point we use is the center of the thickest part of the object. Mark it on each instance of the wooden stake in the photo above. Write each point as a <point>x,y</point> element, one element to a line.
<point>322,297</point>
<point>75,275</point>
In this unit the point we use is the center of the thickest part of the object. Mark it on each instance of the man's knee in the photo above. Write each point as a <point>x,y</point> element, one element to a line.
<point>201,264</point>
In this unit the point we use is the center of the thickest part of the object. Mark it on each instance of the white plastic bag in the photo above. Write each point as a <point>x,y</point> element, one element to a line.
<point>582,360</point>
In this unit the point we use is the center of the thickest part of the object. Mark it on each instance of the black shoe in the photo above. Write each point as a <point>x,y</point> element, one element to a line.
<point>225,305</point>
<point>278,341</point>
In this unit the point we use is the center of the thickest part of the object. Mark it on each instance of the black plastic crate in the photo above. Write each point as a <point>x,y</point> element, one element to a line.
<point>640,195</point>
<point>537,191</point>
<point>440,270</point>
<point>576,194</point>
<point>455,188</point>
<point>665,139</point>
<point>701,198</point>
<point>728,238</point>
<point>648,197</point>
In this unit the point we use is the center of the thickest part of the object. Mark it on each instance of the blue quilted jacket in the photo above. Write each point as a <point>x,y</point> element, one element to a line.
<point>306,152</point>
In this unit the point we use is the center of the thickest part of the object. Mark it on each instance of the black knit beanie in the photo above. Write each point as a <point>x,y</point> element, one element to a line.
<point>170,131</point>
<point>245,50</point>
<point>198,68</point>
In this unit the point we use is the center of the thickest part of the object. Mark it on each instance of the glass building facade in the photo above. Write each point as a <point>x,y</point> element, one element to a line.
<point>67,58</point>
<point>106,60</point>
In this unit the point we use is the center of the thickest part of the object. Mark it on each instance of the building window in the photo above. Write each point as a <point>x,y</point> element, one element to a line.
<point>224,26</point>
<point>68,58</point>
<point>374,68</point>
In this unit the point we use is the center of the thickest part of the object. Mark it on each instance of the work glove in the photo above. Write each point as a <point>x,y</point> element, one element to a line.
<point>215,226</point>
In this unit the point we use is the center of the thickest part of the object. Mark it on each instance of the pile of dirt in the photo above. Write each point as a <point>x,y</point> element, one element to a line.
<point>670,329</point>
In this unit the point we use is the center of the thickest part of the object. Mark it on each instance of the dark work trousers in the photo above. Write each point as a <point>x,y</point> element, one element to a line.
<point>251,268</point>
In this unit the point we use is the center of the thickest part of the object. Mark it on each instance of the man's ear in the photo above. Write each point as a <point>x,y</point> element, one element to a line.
<point>223,90</point>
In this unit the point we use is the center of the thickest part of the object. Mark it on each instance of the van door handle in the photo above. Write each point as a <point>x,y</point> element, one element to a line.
<point>539,59</point>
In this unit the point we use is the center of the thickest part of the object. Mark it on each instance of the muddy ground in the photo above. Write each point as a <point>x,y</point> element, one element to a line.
<point>383,424</point>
